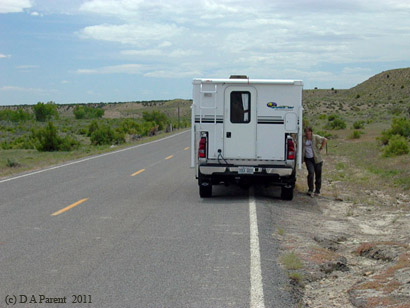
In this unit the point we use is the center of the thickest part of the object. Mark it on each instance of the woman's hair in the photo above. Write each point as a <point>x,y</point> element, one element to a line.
<point>308,129</point>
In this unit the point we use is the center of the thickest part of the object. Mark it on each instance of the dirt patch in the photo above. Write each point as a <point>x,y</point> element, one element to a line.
<point>354,246</point>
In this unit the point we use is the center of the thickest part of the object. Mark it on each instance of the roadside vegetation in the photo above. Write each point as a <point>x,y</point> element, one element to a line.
<point>368,128</point>
<point>362,213</point>
<point>35,136</point>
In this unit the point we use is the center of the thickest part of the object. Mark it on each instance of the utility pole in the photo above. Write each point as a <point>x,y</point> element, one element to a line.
<point>178,117</point>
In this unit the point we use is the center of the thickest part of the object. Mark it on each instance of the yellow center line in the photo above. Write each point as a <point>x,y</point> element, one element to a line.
<point>69,207</point>
<point>169,157</point>
<point>138,172</point>
<point>187,148</point>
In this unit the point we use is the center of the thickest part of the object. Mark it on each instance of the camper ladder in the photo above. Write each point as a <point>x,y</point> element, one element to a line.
<point>201,107</point>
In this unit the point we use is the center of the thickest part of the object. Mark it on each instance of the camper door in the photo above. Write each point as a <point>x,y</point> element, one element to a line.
<point>240,123</point>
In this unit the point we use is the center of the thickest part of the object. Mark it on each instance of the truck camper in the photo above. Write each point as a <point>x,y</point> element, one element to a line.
<point>246,131</point>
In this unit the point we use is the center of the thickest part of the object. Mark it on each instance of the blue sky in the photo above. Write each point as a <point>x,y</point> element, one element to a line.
<point>74,51</point>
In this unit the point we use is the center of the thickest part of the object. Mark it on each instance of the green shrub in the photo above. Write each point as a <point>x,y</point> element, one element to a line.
<point>324,134</point>
<point>5,145</point>
<point>12,163</point>
<point>131,127</point>
<point>158,117</point>
<point>44,112</point>
<point>24,142</point>
<point>68,143</point>
<point>182,123</point>
<point>355,134</point>
<point>332,117</point>
<point>149,128</point>
<point>79,112</point>
<point>87,112</point>
<point>48,140</point>
<point>18,115</point>
<point>358,124</point>
<point>92,128</point>
<point>399,126</point>
<point>104,134</point>
<point>398,145</point>
<point>337,123</point>
<point>82,131</point>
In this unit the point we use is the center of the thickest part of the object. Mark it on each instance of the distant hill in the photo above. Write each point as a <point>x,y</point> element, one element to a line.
<point>380,97</point>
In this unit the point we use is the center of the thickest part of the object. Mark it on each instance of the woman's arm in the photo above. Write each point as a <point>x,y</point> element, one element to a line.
<point>324,141</point>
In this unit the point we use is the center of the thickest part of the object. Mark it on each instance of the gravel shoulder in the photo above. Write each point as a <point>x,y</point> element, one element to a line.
<point>353,253</point>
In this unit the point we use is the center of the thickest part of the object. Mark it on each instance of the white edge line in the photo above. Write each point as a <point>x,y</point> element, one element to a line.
<point>89,158</point>
<point>257,297</point>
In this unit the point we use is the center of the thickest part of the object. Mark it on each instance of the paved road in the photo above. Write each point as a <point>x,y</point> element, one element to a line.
<point>128,229</point>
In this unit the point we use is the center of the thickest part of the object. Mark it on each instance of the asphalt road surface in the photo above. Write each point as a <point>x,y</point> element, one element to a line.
<point>128,229</point>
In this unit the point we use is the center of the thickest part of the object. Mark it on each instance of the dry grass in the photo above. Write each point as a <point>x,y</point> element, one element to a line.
<point>364,247</point>
<point>320,255</point>
<point>385,282</point>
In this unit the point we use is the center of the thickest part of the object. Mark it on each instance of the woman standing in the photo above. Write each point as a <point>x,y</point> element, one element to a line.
<point>312,145</point>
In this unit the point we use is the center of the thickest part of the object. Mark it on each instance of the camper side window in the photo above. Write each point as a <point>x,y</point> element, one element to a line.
<point>240,107</point>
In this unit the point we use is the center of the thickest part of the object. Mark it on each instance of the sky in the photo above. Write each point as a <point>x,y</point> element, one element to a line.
<point>77,51</point>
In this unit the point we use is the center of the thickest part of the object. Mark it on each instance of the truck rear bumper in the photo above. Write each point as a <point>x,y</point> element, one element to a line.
<point>265,170</point>
<point>269,175</point>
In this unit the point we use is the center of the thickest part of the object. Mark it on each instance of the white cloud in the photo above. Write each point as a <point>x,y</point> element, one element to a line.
<point>177,53</point>
<point>14,6</point>
<point>114,69</point>
<point>3,56</point>
<point>131,34</point>
<point>156,71</point>
<point>172,73</point>
<point>165,44</point>
<point>112,7</point>
<point>143,52</point>
<point>23,89</point>
<point>27,67</point>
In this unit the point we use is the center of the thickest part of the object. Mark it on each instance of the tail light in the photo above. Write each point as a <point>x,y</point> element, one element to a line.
<point>202,148</point>
<point>291,149</point>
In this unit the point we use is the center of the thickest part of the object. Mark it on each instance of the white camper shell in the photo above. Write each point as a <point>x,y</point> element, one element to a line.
<point>246,130</point>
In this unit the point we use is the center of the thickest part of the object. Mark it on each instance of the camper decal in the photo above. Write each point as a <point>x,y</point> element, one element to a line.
<point>274,105</point>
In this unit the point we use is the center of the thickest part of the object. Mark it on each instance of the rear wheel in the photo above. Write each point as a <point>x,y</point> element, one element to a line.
<point>205,190</point>
<point>287,193</point>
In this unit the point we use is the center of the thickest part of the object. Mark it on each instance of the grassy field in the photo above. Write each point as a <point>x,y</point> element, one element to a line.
<point>360,163</point>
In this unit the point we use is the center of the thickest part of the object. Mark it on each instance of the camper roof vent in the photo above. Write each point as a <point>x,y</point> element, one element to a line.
<point>238,77</point>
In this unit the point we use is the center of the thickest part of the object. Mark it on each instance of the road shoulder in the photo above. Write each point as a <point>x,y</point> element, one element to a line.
<point>352,254</point>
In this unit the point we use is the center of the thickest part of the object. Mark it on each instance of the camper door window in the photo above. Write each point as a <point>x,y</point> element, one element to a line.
<point>240,107</point>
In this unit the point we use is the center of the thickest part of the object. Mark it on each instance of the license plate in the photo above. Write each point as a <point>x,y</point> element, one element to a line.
<point>246,170</point>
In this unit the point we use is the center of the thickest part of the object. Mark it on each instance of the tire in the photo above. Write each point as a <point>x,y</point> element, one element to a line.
<point>205,191</point>
<point>287,193</point>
